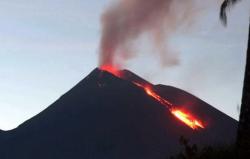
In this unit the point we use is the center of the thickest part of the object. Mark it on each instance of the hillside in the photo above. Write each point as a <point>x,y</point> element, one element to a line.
<point>105,117</point>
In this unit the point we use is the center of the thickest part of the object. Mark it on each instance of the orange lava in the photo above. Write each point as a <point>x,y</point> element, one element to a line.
<point>163,101</point>
<point>186,118</point>
<point>182,116</point>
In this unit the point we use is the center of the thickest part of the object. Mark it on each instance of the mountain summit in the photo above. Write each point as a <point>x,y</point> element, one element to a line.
<point>106,117</point>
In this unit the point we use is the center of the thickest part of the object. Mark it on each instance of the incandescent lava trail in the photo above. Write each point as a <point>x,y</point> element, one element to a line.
<point>185,117</point>
<point>181,115</point>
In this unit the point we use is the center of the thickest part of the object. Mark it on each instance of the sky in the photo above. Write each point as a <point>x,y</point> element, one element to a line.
<point>47,47</point>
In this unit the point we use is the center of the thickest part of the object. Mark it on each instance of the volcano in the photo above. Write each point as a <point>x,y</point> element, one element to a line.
<point>107,117</point>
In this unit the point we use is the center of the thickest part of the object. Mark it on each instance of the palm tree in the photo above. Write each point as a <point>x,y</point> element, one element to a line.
<point>224,6</point>
<point>243,136</point>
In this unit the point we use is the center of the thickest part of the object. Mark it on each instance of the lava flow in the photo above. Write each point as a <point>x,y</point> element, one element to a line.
<point>186,118</point>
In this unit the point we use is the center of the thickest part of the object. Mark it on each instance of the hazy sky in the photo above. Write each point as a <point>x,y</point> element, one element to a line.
<point>46,47</point>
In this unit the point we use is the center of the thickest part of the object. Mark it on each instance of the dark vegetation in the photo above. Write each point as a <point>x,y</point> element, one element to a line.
<point>192,151</point>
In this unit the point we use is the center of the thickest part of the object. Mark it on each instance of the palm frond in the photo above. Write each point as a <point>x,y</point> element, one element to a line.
<point>223,9</point>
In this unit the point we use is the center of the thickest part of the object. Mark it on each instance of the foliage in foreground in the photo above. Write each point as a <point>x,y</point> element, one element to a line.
<point>192,151</point>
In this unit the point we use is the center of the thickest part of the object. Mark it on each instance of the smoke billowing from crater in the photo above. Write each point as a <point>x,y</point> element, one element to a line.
<point>126,20</point>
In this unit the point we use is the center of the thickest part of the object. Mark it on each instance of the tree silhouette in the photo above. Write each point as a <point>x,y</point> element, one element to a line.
<point>191,151</point>
<point>224,7</point>
<point>243,136</point>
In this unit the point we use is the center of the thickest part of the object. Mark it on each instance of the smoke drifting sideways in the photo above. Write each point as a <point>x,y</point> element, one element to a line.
<point>125,21</point>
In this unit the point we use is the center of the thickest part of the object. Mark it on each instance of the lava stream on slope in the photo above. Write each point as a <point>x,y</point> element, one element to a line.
<point>185,117</point>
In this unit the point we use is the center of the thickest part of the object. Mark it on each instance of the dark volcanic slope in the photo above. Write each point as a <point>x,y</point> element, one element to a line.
<point>104,117</point>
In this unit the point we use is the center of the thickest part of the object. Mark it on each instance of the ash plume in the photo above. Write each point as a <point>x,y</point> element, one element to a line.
<point>126,20</point>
